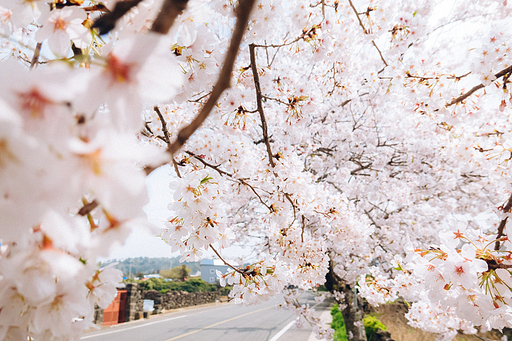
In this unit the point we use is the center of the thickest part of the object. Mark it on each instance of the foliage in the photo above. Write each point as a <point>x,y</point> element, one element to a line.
<point>177,273</point>
<point>191,285</point>
<point>338,324</point>
<point>224,291</point>
<point>371,325</point>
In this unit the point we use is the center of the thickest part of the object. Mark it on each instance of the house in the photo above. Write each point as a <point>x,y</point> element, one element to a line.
<point>209,269</point>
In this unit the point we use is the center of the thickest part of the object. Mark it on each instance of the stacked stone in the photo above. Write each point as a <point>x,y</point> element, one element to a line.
<point>180,299</point>
<point>157,300</point>
<point>134,303</point>
<point>98,315</point>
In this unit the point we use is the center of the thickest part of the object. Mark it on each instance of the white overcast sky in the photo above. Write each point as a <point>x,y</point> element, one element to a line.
<point>141,243</point>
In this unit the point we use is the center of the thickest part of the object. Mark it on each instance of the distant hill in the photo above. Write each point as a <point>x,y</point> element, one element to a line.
<point>146,265</point>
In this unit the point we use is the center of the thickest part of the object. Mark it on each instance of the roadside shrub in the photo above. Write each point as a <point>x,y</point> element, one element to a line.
<point>338,324</point>
<point>371,326</point>
<point>191,285</point>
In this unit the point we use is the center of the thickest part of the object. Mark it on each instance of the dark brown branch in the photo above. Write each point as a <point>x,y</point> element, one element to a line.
<point>357,15</point>
<point>107,22</point>
<point>166,138</point>
<point>243,12</point>
<point>260,104</point>
<point>503,223</point>
<point>221,172</point>
<point>287,196</point>
<point>366,32</point>
<point>176,169</point>
<point>164,125</point>
<point>493,265</point>
<point>88,207</point>
<point>478,87</point>
<point>199,98</point>
<point>226,263</point>
<point>206,164</point>
<point>380,54</point>
<point>35,58</point>
<point>168,13</point>
<point>303,227</point>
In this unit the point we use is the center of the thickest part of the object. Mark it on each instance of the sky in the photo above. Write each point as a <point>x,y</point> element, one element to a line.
<point>141,243</point>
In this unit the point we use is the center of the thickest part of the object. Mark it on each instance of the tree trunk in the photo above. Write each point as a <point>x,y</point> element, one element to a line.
<point>353,310</point>
<point>353,315</point>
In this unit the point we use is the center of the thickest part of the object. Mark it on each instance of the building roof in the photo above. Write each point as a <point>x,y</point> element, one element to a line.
<point>215,262</point>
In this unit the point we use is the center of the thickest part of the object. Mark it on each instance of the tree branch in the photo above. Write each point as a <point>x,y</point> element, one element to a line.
<point>221,172</point>
<point>164,125</point>
<point>366,32</point>
<point>259,103</point>
<point>478,87</point>
<point>168,13</point>
<point>35,58</point>
<point>226,263</point>
<point>243,12</point>
<point>503,223</point>
<point>107,22</point>
<point>88,207</point>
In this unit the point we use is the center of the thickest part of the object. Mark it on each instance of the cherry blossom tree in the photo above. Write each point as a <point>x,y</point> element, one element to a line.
<point>362,140</point>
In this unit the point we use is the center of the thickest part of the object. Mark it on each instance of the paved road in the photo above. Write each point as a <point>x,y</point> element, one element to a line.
<point>223,321</point>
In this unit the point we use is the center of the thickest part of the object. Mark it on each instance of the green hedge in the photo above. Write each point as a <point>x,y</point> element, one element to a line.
<point>191,285</point>
<point>371,325</point>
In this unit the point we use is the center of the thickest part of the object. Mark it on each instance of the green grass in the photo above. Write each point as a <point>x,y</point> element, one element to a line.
<point>371,325</point>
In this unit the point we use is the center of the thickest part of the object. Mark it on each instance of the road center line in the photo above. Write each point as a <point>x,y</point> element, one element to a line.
<point>139,326</point>
<point>216,324</point>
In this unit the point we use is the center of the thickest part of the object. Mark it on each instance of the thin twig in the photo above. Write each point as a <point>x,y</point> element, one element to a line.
<point>221,172</point>
<point>287,196</point>
<point>166,138</point>
<point>164,124</point>
<point>243,12</point>
<point>478,87</point>
<point>503,223</point>
<point>357,15</point>
<point>35,58</point>
<point>380,54</point>
<point>242,181</point>
<point>226,263</point>
<point>303,227</point>
<point>88,207</point>
<point>259,103</point>
<point>366,32</point>
<point>176,169</point>
<point>199,98</point>
<point>206,164</point>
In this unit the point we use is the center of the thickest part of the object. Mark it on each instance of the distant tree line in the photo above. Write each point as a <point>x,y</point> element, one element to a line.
<point>139,266</point>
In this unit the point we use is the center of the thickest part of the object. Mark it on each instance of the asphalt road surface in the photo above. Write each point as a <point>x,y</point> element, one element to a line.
<point>222,321</point>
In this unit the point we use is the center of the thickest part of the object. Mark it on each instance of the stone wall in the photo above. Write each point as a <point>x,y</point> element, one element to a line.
<point>179,299</point>
<point>134,303</point>
<point>168,301</point>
